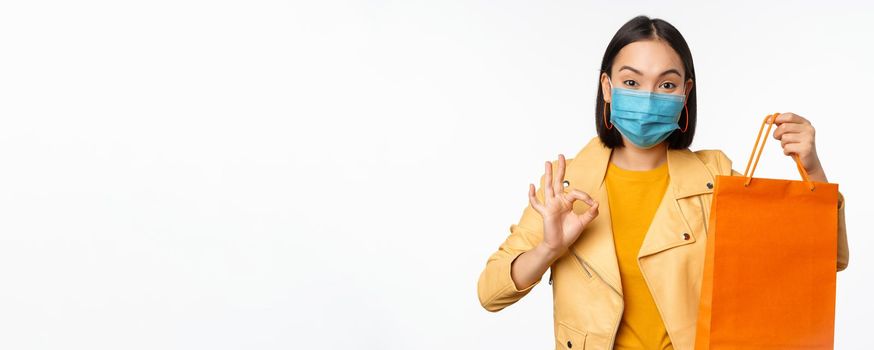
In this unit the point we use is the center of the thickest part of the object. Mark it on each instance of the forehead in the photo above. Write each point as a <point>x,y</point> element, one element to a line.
<point>651,57</point>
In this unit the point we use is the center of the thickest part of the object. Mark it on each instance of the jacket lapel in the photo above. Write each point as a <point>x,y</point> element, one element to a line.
<point>670,225</point>
<point>688,177</point>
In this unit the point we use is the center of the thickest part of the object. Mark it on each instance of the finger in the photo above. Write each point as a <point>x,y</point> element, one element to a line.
<point>547,181</point>
<point>532,198</point>
<point>580,195</point>
<point>790,118</point>
<point>796,147</point>
<point>583,196</point>
<point>589,215</point>
<point>791,138</point>
<point>557,185</point>
<point>789,128</point>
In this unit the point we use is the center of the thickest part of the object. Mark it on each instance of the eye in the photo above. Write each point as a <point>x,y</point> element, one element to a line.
<point>630,82</point>
<point>668,85</point>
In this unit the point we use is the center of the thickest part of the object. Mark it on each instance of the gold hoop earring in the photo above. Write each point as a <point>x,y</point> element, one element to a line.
<point>687,119</point>
<point>606,123</point>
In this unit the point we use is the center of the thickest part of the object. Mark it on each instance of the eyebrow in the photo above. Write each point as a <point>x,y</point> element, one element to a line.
<point>669,71</point>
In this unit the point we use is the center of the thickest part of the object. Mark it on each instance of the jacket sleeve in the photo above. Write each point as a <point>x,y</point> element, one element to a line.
<point>496,288</point>
<point>843,246</point>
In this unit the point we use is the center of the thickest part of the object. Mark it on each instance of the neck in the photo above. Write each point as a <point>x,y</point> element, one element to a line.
<point>632,158</point>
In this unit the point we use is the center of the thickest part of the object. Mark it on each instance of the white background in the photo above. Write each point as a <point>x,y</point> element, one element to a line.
<point>278,175</point>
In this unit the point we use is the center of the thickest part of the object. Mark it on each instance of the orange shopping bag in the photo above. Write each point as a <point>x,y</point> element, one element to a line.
<point>769,271</point>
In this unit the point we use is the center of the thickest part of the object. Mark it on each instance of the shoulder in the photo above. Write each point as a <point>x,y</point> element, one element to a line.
<point>593,149</point>
<point>584,159</point>
<point>716,160</point>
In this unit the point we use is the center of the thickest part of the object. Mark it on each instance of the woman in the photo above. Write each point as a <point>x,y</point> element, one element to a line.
<point>622,225</point>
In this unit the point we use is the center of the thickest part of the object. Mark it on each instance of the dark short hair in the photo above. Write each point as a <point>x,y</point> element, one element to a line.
<point>644,28</point>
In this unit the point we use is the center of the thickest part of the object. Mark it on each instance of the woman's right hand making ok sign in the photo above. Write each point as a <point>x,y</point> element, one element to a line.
<point>561,226</point>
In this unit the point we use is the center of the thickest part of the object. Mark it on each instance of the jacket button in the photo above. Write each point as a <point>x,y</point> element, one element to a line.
<point>566,183</point>
<point>569,345</point>
<point>686,236</point>
<point>710,185</point>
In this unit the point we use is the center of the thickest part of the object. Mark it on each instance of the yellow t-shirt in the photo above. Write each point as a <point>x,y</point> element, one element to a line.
<point>633,198</point>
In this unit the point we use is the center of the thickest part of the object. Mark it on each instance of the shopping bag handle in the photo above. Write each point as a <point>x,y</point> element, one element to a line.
<point>759,154</point>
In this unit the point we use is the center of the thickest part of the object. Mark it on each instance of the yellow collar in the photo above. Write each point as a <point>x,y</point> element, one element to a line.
<point>689,176</point>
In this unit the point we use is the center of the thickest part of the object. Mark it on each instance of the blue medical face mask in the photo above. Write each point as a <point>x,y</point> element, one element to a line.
<point>645,118</point>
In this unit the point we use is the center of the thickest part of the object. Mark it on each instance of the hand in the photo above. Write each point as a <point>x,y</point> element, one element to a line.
<point>796,135</point>
<point>561,226</point>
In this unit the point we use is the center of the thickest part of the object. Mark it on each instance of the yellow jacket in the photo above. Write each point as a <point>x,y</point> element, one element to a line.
<point>587,293</point>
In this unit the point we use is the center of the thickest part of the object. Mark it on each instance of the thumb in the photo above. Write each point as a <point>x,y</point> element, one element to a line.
<point>589,215</point>
<point>592,212</point>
